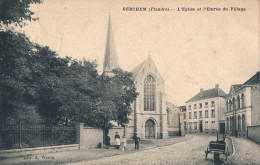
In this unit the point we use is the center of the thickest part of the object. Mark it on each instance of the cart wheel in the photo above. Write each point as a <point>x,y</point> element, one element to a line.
<point>206,156</point>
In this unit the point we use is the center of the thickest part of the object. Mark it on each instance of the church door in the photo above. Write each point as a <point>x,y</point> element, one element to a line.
<point>149,129</point>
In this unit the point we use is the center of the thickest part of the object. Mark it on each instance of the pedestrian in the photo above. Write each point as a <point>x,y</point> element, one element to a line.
<point>123,143</point>
<point>137,140</point>
<point>107,141</point>
<point>117,141</point>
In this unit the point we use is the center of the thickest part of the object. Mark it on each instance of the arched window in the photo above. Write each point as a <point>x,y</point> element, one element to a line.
<point>239,122</point>
<point>243,100</point>
<point>149,93</point>
<point>234,103</point>
<point>227,123</point>
<point>230,106</point>
<point>243,122</point>
<point>238,102</point>
<point>231,123</point>
<point>227,106</point>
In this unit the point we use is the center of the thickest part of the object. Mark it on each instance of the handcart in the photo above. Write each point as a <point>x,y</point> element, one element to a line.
<point>216,148</point>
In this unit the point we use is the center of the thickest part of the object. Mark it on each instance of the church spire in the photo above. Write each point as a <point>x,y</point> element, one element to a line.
<point>111,59</point>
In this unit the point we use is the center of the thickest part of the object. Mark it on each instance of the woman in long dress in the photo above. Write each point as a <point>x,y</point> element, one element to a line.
<point>117,141</point>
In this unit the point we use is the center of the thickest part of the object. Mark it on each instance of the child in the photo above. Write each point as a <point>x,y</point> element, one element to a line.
<point>123,143</point>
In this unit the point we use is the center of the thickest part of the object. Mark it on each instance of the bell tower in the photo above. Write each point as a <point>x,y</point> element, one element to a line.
<point>110,59</point>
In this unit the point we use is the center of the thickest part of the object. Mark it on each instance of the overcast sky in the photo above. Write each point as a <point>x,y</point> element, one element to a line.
<point>192,50</point>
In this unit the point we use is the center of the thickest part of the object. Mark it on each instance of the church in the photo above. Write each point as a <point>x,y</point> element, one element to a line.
<point>153,117</point>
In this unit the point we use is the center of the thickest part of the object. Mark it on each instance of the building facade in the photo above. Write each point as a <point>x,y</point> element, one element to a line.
<point>243,106</point>
<point>205,112</point>
<point>152,116</point>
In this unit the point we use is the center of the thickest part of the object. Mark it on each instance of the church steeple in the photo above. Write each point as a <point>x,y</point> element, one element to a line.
<point>111,59</point>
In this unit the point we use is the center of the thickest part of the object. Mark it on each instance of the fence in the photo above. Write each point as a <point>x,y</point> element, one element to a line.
<point>20,136</point>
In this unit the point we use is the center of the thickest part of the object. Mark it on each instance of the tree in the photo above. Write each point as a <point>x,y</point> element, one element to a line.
<point>122,92</point>
<point>16,11</point>
<point>17,91</point>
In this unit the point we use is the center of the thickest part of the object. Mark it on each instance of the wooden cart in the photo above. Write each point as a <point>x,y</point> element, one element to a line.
<point>216,148</point>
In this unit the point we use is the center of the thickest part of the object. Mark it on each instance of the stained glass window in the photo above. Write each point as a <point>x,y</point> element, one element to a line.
<point>149,93</point>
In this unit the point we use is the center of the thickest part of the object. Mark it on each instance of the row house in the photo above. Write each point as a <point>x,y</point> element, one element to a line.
<point>243,106</point>
<point>205,112</point>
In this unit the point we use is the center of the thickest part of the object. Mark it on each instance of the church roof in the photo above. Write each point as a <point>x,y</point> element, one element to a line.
<point>211,93</point>
<point>149,61</point>
<point>137,69</point>
<point>111,59</point>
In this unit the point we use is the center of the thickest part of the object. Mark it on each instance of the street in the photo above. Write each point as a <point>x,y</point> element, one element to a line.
<point>178,150</point>
<point>190,151</point>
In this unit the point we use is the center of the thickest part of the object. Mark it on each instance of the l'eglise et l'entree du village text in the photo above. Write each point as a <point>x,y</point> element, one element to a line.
<point>146,9</point>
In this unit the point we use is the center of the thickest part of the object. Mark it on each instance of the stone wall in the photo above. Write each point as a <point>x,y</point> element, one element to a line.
<point>89,137</point>
<point>253,132</point>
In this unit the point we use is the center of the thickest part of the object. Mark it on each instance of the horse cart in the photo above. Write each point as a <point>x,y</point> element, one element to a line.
<point>216,148</point>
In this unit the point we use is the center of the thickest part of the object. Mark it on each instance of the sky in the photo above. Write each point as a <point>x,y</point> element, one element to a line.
<point>191,49</point>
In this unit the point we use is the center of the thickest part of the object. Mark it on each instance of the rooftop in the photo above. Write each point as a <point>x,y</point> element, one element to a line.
<point>210,93</point>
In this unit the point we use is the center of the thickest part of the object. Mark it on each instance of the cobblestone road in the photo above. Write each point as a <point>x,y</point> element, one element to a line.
<point>186,152</point>
<point>246,152</point>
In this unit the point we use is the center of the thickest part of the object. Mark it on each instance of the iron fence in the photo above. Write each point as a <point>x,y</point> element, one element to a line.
<point>21,136</point>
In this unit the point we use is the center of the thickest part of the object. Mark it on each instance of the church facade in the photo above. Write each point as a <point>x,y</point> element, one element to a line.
<point>152,117</point>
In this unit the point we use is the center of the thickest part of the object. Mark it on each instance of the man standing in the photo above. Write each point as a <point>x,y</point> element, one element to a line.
<point>107,141</point>
<point>137,140</point>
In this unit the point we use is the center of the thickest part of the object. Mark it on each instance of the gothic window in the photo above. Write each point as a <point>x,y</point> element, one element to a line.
<point>149,94</point>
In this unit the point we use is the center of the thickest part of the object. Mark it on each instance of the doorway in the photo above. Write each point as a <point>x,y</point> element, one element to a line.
<point>222,128</point>
<point>201,126</point>
<point>149,129</point>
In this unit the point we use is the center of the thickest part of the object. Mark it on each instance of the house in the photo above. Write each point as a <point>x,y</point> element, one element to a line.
<point>205,112</point>
<point>243,106</point>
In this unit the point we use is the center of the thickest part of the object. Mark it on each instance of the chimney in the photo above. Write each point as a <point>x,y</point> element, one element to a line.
<point>217,86</point>
<point>201,89</point>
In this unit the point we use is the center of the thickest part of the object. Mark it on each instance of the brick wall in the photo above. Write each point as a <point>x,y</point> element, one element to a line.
<point>89,137</point>
<point>254,133</point>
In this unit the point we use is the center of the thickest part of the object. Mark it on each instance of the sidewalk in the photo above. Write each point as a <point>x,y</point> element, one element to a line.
<point>67,157</point>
